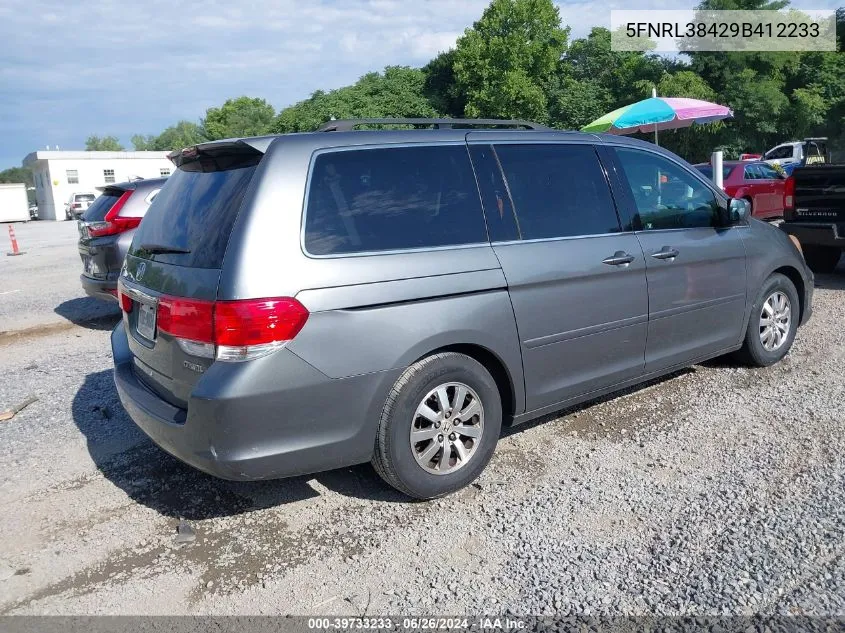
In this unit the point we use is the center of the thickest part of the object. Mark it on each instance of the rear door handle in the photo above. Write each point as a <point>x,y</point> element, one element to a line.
<point>619,258</point>
<point>666,253</point>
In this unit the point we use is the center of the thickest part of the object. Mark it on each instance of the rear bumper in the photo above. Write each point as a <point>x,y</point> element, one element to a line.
<point>269,418</point>
<point>99,288</point>
<point>816,234</point>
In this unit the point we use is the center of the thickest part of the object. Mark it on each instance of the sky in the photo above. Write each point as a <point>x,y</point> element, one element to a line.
<point>72,69</point>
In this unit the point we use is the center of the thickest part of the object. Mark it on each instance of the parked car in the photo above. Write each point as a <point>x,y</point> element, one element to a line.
<point>815,213</point>
<point>755,181</point>
<point>33,212</point>
<point>808,151</point>
<point>78,203</point>
<point>309,301</point>
<point>106,230</point>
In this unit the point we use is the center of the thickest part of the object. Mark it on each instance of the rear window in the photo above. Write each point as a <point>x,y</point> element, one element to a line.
<point>707,171</point>
<point>392,199</point>
<point>194,211</point>
<point>97,211</point>
<point>85,196</point>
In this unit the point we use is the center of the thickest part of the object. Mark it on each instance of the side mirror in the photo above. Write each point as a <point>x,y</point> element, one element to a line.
<point>740,210</point>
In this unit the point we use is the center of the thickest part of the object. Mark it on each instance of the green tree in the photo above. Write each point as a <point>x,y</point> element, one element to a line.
<point>440,87</point>
<point>398,92</point>
<point>17,174</point>
<point>573,103</point>
<point>505,62</point>
<point>592,80</point>
<point>104,144</point>
<point>183,134</point>
<point>20,174</point>
<point>626,75</point>
<point>244,116</point>
<point>142,143</point>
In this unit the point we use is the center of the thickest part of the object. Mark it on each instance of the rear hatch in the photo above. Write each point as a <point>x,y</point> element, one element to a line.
<point>96,213</point>
<point>93,219</point>
<point>819,195</point>
<point>169,284</point>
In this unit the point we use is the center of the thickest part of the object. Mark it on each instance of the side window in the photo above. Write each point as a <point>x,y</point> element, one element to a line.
<point>666,196</point>
<point>392,198</point>
<point>752,172</point>
<point>780,152</point>
<point>557,190</point>
<point>498,210</point>
<point>767,172</point>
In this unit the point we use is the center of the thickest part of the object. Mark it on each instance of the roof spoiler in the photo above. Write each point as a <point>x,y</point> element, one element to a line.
<point>220,155</point>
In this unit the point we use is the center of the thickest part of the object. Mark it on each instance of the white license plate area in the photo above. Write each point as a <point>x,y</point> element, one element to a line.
<point>146,324</point>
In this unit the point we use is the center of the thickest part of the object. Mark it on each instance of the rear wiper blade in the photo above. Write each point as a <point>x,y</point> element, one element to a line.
<point>161,248</point>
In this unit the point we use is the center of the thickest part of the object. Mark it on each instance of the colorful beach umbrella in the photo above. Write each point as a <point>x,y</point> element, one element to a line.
<point>658,113</point>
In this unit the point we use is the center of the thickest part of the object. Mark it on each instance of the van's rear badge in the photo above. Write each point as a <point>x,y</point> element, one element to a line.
<point>193,366</point>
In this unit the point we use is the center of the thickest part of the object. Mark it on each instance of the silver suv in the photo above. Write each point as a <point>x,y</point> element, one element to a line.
<point>304,302</point>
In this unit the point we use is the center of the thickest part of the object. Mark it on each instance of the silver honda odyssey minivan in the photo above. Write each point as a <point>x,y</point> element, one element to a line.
<point>303,302</point>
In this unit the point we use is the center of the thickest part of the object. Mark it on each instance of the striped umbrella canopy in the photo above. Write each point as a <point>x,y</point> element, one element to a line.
<point>658,113</point>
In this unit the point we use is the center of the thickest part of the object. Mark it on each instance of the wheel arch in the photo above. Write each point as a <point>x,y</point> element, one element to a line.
<point>492,363</point>
<point>797,280</point>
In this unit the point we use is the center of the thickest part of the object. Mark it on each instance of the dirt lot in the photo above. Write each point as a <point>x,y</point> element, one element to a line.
<point>719,490</point>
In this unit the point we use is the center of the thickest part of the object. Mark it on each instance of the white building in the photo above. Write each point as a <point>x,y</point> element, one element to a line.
<point>59,174</point>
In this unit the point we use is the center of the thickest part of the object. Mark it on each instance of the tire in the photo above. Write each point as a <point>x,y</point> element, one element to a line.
<point>755,351</point>
<point>400,463</point>
<point>750,206</point>
<point>822,259</point>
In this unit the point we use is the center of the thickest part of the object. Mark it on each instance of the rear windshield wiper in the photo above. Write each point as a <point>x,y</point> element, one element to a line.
<point>154,249</point>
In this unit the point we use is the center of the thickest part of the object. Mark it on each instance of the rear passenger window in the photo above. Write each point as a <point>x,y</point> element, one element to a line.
<point>557,190</point>
<point>392,198</point>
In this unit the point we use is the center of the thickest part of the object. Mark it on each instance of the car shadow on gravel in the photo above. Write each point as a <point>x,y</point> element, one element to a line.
<point>602,426</point>
<point>151,477</point>
<point>832,281</point>
<point>89,312</point>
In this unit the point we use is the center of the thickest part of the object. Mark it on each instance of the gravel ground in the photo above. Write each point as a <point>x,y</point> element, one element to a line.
<point>716,491</point>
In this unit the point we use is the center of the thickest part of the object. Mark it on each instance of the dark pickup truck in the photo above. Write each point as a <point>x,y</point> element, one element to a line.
<point>814,212</point>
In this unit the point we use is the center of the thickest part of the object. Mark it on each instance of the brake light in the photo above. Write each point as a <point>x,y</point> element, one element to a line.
<point>231,330</point>
<point>113,224</point>
<point>252,328</point>
<point>789,194</point>
<point>124,300</point>
<point>77,205</point>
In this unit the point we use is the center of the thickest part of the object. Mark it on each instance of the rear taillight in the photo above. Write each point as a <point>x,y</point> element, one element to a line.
<point>231,330</point>
<point>113,223</point>
<point>254,327</point>
<point>186,318</point>
<point>125,301</point>
<point>77,205</point>
<point>789,194</point>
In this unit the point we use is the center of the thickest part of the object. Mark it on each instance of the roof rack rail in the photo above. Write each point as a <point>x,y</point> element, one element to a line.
<point>345,125</point>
